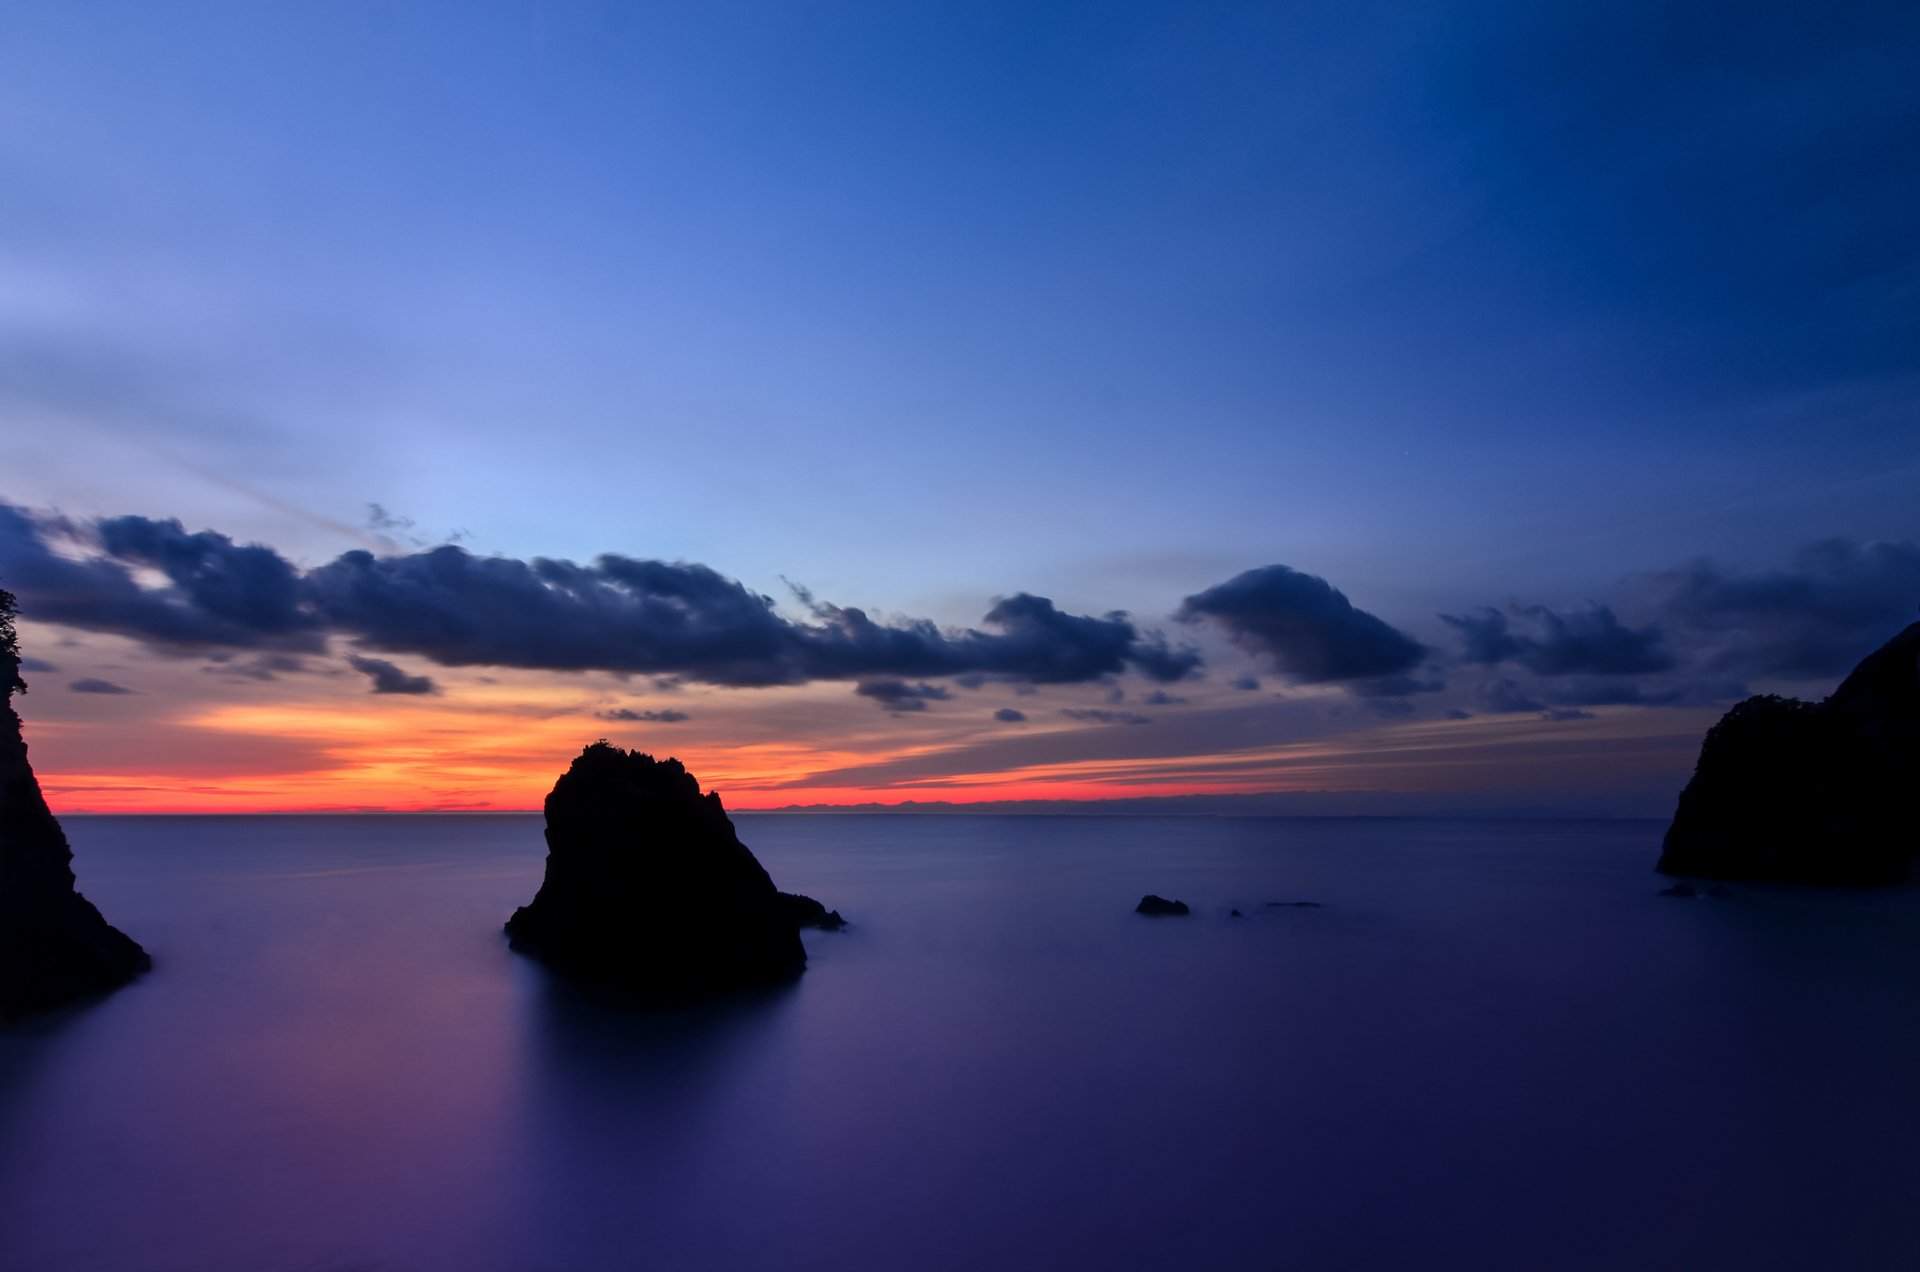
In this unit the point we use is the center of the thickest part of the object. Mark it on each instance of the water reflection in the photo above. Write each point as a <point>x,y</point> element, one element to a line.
<point>632,1123</point>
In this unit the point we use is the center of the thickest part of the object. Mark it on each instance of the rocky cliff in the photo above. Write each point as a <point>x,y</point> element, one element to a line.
<point>1825,792</point>
<point>54,946</point>
<point>649,893</point>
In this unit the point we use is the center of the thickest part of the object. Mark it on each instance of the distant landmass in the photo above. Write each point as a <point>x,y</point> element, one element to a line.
<point>1261,804</point>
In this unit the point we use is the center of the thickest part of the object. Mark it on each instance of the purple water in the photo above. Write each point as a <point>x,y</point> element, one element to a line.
<point>1493,1047</point>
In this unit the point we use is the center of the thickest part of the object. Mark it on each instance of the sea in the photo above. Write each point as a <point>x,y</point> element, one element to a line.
<point>1486,1045</point>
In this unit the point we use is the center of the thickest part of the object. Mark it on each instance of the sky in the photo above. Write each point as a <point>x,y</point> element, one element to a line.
<point>1301,408</point>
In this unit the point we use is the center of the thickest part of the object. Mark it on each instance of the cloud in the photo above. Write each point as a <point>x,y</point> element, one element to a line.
<point>37,664</point>
<point>628,715</point>
<point>1834,603</point>
<point>1007,715</point>
<point>1161,698</point>
<point>92,685</point>
<point>388,678</point>
<point>1096,715</point>
<point>97,593</point>
<point>1566,713</point>
<point>1304,627</point>
<point>898,695</point>
<point>251,587</point>
<point>1500,696</point>
<point>1245,684</point>
<point>267,666</point>
<point>1591,641</point>
<point>617,614</point>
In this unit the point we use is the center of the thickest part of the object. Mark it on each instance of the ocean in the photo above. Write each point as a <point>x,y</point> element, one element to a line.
<point>1491,1045</point>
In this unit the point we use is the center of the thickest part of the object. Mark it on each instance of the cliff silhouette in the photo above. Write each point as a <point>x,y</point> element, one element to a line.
<point>649,895</point>
<point>54,946</point>
<point>1810,792</point>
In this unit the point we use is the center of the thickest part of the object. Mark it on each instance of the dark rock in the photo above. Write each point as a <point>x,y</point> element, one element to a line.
<point>54,946</point>
<point>808,913</point>
<point>1810,792</point>
<point>1150,904</point>
<point>1679,890</point>
<point>1235,914</point>
<point>649,894</point>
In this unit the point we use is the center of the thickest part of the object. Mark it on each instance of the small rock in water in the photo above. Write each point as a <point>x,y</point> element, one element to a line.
<point>1151,904</point>
<point>1236,915</point>
<point>1680,890</point>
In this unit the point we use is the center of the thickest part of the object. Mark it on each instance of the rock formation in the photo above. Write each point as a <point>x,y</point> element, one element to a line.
<point>1825,792</point>
<point>1151,904</point>
<point>808,913</point>
<point>54,946</point>
<point>649,894</point>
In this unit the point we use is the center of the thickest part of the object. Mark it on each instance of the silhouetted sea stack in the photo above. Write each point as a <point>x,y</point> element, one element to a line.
<point>1151,904</point>
<point>1825,792</point>
<point>54,946</point>
<point>649,894</point>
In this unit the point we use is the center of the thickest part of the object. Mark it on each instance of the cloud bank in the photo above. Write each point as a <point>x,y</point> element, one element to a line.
<point>192,592</point>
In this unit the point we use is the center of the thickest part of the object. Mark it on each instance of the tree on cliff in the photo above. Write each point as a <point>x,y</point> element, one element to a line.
<point>10,682</point>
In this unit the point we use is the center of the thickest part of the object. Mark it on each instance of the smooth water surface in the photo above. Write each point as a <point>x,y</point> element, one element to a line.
<point>1492,1046</point>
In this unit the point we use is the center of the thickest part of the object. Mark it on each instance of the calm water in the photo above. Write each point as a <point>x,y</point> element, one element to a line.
<point>1494,1047</point>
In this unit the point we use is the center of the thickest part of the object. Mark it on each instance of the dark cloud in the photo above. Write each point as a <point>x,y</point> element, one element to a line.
<point>628,715</point>
<point>1836,602</point>
<point>1095,715</point>
<point>1305,627</point>
<point>1160,661</point>
<point>1246,684</point>
<point>37,664</point>
<point>618,614</point>
<point>1565,713</point>
<point>249,587</point>
<point>267,666</point>
<point>100,594</point>
<point>92,685</point>
<point>388,678</point>
<point>1501,696</point>
<point>898,695</point>
<point>1007,715</point>
<point>1393,686</point>
<point>1591,641</point>
<point>1486,636</point>
<point>1161,698</point>
<point>621,614</point>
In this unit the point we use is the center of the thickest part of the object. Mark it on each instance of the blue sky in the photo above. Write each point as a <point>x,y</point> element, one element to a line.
<point>919,306</point>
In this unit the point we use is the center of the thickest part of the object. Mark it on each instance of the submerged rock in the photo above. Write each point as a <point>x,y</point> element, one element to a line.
<point>649,893</point>
<point>1825,792</point>
<point>1151,904</point>
<point>54,946</point>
